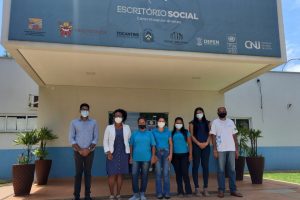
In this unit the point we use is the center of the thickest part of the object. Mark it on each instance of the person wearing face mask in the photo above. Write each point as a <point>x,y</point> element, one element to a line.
<point>142,154</point>
<point>199,129</point>
<point>225,146</point>
<point>182,156</point>
<point>83,135</point>
<point>164,151</point>
<point>117,150</point>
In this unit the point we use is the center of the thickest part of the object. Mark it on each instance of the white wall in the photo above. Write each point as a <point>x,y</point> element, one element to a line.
<point>280,126</point>
<point>15,87</point>
<point>60,104</point>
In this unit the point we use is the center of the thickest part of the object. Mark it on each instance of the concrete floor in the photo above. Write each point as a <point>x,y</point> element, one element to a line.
<point>59,189</point>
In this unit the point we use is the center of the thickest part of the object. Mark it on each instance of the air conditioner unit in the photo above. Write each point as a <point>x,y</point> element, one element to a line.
<point>33,101</point>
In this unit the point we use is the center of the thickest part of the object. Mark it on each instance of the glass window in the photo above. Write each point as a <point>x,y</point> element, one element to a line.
<point>11,123</point>
<point>245,123</point>
<point>15,124</point>
<point>2,123</point>
<point>21,123</point>
<point>32,122</point>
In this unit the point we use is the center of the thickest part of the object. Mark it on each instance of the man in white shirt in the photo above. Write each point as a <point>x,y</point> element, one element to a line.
<point>225,147</point>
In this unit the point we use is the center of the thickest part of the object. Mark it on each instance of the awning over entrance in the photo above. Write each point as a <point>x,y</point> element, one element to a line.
<point>144,44</point>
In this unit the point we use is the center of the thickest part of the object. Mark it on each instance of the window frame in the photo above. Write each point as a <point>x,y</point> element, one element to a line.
<point>6,116</point>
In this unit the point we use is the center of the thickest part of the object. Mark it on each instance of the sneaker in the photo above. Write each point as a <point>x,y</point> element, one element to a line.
<point>188,195</point>
<point>197,192</point>
<point>118,197</point>
<point>160,196</point>
<point>111,197</point>
<point>205,192</point>
<point>167,196</point>
<point>143,197</point>
<point>135,197</point>
<point>180,195</point>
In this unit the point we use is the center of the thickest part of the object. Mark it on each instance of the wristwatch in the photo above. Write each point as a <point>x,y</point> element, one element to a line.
<point>91,149</point>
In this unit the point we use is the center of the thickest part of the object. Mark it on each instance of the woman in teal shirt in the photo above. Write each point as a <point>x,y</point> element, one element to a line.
<point>142,154</point>
<point>164,151</point>
<point>182,156</point>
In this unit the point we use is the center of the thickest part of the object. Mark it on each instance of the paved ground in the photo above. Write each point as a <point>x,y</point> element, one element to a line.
<point>61,189</point>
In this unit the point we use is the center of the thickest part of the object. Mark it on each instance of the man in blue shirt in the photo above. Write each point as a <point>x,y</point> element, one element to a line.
<point>83,136</point>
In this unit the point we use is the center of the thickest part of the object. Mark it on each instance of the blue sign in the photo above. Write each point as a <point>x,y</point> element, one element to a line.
<point>206,26</point>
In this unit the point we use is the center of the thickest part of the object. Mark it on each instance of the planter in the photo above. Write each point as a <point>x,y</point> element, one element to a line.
<point>256,167</point>
<point>239,168</point>
<point>22,178</point>
<point>42,170</point>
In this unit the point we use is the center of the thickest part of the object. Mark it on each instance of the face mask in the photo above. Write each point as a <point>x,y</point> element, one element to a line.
<point>199,115</point>
<point>118,120</point>
<point>142,126</point>
<point>222,115</point>
<point>179,126</point>
<point>84,113</point>
<point>161,124</point>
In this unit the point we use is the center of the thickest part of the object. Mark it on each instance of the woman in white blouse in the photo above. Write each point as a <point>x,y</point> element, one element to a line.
<point>117,150</point>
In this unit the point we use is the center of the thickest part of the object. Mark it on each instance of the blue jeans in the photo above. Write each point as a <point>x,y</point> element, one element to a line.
<point>162,167</point>
<point>140,167</point>
<point>229,158</point>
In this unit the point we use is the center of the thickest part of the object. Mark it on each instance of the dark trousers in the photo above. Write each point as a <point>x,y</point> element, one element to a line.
<point>181,165</point>
<point>83,165</point>
<point>203,156</point>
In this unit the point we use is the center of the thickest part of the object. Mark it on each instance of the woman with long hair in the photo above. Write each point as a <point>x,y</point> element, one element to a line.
<point>164,151</point>
<point>199,129</point>
<point>182,156</point>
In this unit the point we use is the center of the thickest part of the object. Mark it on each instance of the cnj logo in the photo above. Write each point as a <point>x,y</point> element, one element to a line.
<point>252,44</point>
<point>148,35</point>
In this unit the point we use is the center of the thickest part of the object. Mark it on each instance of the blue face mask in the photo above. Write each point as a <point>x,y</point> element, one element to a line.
<point>84,113</point>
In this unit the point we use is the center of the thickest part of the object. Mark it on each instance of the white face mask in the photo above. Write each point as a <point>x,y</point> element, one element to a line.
<point>179,126</point>
<point>118,120</point>
<point>199,115</point>
<point>84,113</point>
<point>161,124</point>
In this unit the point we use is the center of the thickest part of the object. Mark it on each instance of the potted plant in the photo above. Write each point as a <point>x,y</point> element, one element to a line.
<point>255,162</point>
<point>243,149</point>
<point>23,172</point>
<point>43,165</point>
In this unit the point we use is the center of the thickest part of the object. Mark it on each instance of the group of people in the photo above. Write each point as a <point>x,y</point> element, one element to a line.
<point>160,146</point>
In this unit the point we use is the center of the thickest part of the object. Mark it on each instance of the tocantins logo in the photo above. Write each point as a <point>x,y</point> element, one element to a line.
<point>148,35</point>
<point>65,29</point>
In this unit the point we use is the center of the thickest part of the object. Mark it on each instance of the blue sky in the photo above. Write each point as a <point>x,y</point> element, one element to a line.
<point>291,19</point>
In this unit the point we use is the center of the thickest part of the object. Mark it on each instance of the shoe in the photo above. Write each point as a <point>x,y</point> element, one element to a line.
<point>111,197</point>
<point>188,195</point>
<point>88,198</point>
<point>118,197</point>
<point>167,196</point>
<point>135,197</point>
<point>205,192</point>
<point>221,194</point>
<point>236,194</point>
<point>143,197</point>
<point>160,196</point>
<point>197,192</point>
<point>180,195</point>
